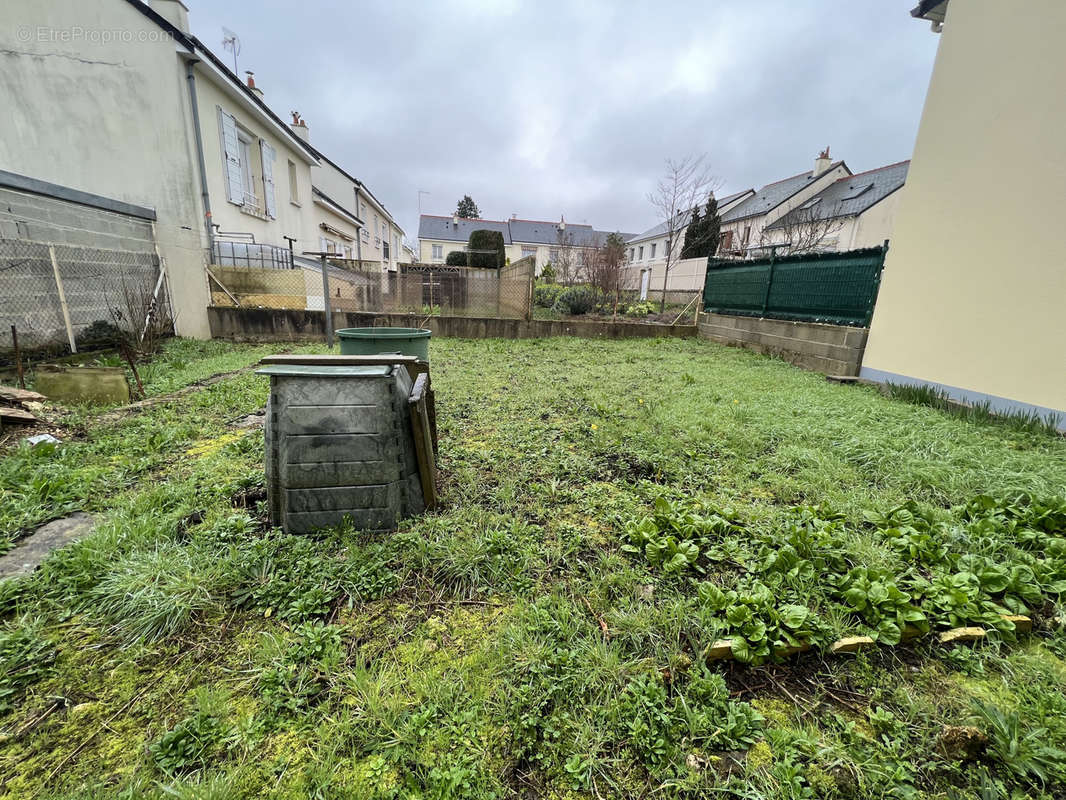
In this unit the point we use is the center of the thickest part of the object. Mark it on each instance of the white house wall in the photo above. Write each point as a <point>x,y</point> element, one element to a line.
<point>110,118</point>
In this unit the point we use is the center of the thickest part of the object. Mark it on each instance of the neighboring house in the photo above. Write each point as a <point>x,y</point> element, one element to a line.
<point>239,182</point>
<point>971,300</point>
<point>743,224</point>
<point>646,254</point>
<point>852,212</point>
<point>438,236</point>
<point>547,242</point>
<point>350,221</point>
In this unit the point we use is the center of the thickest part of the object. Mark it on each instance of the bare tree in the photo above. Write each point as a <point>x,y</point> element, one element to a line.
<point>805,229</point>
<point>602,266</point>
<point>564,257</point>
<point>684,183</point>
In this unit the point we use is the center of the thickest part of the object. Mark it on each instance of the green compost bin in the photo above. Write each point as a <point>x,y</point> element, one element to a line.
<point>372,341</point>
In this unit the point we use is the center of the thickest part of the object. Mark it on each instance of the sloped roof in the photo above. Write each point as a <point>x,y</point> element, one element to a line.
<point>774,194</point>
<point>851,195</point>
<point>432,227</point>
<point>537,232</point>
<point>660,229</point>
<point>515,231</point>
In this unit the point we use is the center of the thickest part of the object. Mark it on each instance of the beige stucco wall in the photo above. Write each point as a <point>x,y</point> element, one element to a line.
<point>974,284</point>
<point>110,117</point>
<point>292,220</point>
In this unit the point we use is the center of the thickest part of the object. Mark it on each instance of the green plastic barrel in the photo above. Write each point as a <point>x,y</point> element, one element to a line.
<point>372,341</point>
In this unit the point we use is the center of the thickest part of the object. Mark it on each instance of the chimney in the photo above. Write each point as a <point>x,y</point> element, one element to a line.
<point>455,220</point>
<point>299,127</point>
<point>822,163</point>
<point>251,84</point>
<point>173,11</point>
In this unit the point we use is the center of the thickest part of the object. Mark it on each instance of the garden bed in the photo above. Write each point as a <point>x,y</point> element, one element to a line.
<point>613,512</point>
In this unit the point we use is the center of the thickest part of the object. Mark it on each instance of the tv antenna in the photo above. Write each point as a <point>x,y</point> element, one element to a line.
<point>231,42</point>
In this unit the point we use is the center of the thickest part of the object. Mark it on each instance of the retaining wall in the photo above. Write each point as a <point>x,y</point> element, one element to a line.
<point>286,325</point>
<point>830,349</point>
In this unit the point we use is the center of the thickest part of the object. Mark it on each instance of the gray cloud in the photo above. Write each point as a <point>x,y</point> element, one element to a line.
<point>555,107</point>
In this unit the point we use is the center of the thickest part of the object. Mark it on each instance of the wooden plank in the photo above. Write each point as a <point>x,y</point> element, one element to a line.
<point>20,395</point>
<point>17,415</point>
<point>427,468</point>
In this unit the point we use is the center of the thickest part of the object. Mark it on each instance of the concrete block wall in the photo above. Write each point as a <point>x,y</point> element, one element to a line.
<point>47,219</point>
<point>829,349</point>
<point>284,325</point>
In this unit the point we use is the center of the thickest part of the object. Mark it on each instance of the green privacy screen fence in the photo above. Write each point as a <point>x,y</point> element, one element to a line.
<point>838,288</point>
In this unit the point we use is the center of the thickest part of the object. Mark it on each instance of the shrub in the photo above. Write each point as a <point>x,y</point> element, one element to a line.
<point>578,300</point>
<point>487,240</point>
<point>456,258</point>
<point>548,274</point>
<point>545,295</point>
<point>639,309</point>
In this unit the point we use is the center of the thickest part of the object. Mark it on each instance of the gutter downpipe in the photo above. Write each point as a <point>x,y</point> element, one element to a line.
<point>204,196</point>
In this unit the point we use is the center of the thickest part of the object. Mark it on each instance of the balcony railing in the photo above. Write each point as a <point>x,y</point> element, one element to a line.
<point>249,254</point>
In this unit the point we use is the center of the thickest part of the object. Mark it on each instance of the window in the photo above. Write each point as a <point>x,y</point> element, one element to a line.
<point>653,250</point>
<point>294,186</point>
<point>726,242</point>
<point>385,250</point>
<point>365,234</point>
<point>244,144</point>
<point>857,190</point>
<point>438,252</point>
<point>347,251</point>
<point>553,254</point>
<point>529,251</point>
<point>747,234</point>
<point>640,253</point>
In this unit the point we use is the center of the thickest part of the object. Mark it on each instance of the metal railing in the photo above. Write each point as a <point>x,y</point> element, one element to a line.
<point>837,288</point>
<point>251,254</point>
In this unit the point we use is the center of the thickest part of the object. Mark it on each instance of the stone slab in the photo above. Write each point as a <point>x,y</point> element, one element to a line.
<point>851,644</point>
<point>83,384</point>
<point>35,548</point>
<point>958,635</point>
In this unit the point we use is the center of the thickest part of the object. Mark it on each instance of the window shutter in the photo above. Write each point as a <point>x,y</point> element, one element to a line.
<point>231,157</point>
<point>268,179</point>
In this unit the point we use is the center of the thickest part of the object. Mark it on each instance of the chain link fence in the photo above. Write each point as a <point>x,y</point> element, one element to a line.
<point>435,290</point>
<point>62,298</point>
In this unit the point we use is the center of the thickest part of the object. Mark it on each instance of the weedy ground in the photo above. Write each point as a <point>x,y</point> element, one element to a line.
<point>610,510</point>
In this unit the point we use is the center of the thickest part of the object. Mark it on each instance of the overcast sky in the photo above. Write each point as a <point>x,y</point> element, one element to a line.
<point>541,108</point>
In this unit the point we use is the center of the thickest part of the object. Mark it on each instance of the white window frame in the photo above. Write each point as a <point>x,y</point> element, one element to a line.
<point>437,252</point>
<point>294,184</point>
<point>652,254</point>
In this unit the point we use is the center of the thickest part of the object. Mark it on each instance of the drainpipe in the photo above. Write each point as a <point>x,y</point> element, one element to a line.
<point>358,231</point>
<point>205,197</point>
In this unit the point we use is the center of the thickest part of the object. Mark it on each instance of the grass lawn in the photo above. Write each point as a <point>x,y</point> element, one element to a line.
<point>611,509</point>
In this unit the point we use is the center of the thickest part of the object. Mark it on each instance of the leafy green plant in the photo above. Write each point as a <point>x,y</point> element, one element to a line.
<point>758,626</point>
<point>1024,751</point>
<point>874,596</point>
<point>546,294</point>
<point>188,745</point>
<point>676,535</point>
